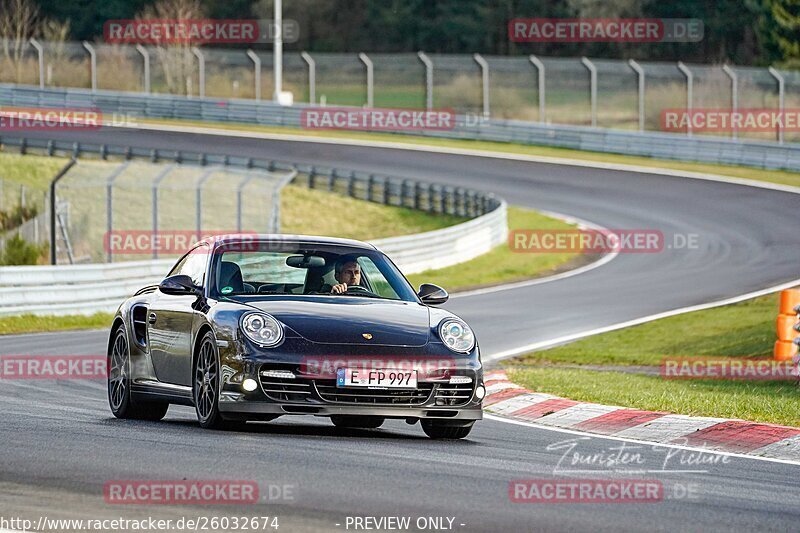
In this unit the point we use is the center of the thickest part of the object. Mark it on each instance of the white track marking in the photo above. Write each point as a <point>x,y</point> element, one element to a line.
<point>636,441</point>
<point>582,224</point>
<point>635,322</point>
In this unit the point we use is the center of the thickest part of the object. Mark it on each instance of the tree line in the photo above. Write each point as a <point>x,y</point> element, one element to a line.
<point>744,32</point>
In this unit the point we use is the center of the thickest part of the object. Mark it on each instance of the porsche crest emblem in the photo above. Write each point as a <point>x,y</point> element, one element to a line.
<point>367,336</point>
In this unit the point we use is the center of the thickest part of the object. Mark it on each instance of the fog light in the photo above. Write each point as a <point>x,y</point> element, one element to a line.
<point>480,392</point>
<point>249,385</point>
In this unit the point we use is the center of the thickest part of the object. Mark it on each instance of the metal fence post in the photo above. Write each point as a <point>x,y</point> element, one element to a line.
<point>641,80</point>
<point>110,207</point>
<point>370,78</point>
<point>540,75</point>
<point>257,71</point>
<point>485,82</point>
<point>592,88</point>
<point>277,51</point>
<point>370,186</point>
<point>689,84</point>
<point>734,95</point>
<point>312,76</point>
<point>156,182</point>
<point>386,191</point>
<point>428,79</point>
<point>781,100</point>
<point>199,200</point>
<point>53,204</point>
<point>40,53</point>
<point>93,63</point>
<point>239,189</point>
<point>201,63</point>
<point>312,173</point>
<point>146,58</point>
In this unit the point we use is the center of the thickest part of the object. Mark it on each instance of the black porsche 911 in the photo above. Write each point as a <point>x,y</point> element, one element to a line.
<point>252,327</point>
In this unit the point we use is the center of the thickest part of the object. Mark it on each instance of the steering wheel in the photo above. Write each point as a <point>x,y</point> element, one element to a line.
<point>358,289</point>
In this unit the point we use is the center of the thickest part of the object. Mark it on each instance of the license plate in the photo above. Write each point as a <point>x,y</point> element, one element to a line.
<point>378,378</point>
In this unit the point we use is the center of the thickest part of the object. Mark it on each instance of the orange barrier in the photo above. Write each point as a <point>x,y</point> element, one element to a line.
<point>785,348</point>
<point>790,298</point>
<point>785,327</point>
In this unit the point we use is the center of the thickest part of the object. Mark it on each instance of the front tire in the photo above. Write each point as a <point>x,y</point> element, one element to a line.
<point>438,430</point>
<point>122,404</point>
<point>359,422</point>
<point>206,387</point>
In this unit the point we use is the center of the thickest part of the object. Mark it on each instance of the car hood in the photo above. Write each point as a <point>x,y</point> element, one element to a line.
<point>346,320</point>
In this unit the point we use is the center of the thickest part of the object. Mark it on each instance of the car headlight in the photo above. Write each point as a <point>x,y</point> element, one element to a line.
<point>457,336</point>
<point>262,329</point>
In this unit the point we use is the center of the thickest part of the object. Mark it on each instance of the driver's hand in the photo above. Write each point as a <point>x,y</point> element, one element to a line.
<point>340,288</point>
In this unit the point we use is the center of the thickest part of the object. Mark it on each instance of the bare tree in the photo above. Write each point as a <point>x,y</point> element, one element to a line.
<point>18,19</point>
<point>56,33</point>
<point>175,56</point>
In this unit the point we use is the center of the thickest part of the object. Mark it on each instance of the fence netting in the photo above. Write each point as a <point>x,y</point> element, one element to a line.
<point>110,212</point>
<point>399,81</point>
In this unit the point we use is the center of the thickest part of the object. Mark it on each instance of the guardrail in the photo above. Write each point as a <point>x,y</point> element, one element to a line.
<point>86,289</point>
<point>672,146</point>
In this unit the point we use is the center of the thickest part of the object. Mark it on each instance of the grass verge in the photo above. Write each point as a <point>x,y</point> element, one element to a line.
<point>501,265</point>
<point>745,329</point>
<point>31,323</point>
<point>314,212</point>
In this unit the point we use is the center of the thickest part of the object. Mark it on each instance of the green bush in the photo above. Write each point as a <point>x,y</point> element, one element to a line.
<point>20,252</point>
<point>17,216</point>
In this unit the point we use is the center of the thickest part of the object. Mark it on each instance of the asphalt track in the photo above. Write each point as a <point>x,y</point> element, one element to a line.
<point>60,443</point>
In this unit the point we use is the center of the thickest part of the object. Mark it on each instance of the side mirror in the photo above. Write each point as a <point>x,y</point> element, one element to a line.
<point>431,294</point>
<point>178,285</point>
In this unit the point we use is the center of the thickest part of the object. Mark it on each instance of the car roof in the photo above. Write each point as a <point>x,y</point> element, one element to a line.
<point>233,238</point>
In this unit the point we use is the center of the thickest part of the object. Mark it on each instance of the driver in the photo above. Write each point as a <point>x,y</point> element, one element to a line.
<point>347,273</point>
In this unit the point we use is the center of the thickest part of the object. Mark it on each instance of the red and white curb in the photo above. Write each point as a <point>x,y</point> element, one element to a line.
<point>506,399</point>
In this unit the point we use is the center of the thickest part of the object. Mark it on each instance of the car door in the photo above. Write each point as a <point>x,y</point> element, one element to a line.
<point>170,320</point>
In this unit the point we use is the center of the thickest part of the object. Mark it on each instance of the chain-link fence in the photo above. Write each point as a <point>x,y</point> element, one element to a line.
<point>575,91</point>
<point>134,210</point>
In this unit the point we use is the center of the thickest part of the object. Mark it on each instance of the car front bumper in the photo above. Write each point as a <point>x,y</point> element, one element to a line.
<point>236,406</point>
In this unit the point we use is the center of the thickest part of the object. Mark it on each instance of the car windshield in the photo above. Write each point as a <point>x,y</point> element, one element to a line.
<point>301,269</point>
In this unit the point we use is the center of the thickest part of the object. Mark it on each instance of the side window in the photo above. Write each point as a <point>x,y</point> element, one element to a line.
<point>380,285</point>
<point>178,266</point>
<point>195,267</point>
